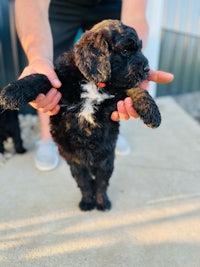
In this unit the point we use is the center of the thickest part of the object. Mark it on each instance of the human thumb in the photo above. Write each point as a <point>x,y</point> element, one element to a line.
<point>55,82</point>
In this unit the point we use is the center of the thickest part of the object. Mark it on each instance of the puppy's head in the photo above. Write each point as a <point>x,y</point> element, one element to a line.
<point>111,53</point>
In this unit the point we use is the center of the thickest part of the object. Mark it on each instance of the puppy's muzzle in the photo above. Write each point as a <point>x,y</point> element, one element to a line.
<point>146,69</point>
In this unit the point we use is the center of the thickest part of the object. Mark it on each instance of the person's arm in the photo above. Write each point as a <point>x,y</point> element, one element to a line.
<point>133,14</point>
<point>33,29</point>
<point>34,32</point>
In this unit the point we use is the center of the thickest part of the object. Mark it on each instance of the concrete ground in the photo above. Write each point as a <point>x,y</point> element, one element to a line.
<point>190,103</point>
<point>155,216</point>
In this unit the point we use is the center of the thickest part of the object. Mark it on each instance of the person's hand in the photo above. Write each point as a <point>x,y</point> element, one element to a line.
<point>48,103</point>
<point>125,108</point>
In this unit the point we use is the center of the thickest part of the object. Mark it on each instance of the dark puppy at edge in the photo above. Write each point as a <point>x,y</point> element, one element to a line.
<point>9,127</point>
<point>105,66</point>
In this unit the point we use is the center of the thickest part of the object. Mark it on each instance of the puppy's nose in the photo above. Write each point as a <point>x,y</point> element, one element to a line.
<point>146,68</point>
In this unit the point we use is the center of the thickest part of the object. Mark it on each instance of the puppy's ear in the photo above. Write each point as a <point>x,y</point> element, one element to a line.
<point>92,57</point>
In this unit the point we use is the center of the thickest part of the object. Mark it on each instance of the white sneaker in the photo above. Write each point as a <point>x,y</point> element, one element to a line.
<point>122,146</point>
<point>46,156</point>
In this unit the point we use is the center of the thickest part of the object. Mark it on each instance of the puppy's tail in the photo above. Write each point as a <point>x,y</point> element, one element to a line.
<point>23,91</point>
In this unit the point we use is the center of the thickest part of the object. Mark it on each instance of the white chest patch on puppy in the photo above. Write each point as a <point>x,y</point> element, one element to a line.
<point>92,98</point>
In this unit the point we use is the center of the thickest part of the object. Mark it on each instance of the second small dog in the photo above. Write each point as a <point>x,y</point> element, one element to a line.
<point>9,127</point>
<point>105,66</point>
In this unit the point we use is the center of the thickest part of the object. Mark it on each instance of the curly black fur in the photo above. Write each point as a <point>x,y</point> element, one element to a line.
<point>109,53</point>
<point>18,93</point>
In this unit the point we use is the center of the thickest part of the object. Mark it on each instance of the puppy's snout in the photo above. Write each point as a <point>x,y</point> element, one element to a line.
<point>146,68</point>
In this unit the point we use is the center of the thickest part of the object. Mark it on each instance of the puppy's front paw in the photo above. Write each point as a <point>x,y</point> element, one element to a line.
<point>23,91</point>
<point>150,116</point>
<point>145,107</point>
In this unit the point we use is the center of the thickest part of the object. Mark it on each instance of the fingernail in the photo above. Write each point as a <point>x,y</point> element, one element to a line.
<point>56,83</point>
<point>128,101</point>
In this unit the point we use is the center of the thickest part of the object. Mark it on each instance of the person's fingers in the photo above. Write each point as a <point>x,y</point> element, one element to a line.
<point>47,102</point>
<point>129,107</point>
<point>115,116</point>
<point>123,114</point>
<point>36,103</point>
<point>160,76</point>
<point>51,104</point>
<point>54,111</point>
<point>124,111</point>
<point>55,83</point>
<point>51,75</point>
<point>50,101</point>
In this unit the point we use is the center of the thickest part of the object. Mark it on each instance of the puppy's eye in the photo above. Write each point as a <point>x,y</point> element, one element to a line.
<point>125,53</point>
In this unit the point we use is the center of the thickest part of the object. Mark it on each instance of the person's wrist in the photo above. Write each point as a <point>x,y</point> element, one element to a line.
<point>39,61</point>
<point>39,65</point>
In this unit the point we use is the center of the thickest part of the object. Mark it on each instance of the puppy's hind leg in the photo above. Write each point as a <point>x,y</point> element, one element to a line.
<point>103,175</point>
<point>15,132</point>
<point>18,143</point>
<point>84,181</point>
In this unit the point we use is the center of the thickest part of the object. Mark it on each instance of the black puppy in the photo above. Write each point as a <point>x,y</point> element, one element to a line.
<point>9,127</point>
<point>106,65</point>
